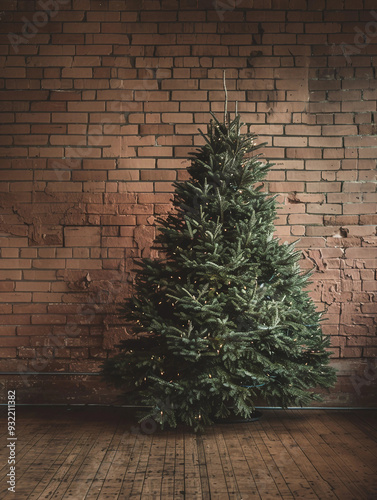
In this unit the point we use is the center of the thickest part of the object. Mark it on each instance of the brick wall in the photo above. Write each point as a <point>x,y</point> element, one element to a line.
<point>100,104</point>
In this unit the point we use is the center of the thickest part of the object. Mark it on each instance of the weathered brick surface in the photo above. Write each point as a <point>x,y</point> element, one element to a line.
<point>99,108</point>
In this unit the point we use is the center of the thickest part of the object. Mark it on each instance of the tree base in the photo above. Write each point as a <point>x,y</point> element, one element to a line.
<point>236,419</point>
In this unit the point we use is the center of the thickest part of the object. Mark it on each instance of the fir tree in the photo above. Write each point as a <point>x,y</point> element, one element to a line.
<point>223,318</point>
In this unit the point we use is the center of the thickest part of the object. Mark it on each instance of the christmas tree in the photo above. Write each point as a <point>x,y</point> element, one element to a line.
<point>223,317</point>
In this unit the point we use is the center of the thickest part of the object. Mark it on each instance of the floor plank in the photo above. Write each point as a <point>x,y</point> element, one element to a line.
<point>101,453</point>
<point>355,472</point>
<point>342,478</point>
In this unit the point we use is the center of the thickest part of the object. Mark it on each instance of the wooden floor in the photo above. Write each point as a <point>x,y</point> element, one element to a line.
<point>100,453</point>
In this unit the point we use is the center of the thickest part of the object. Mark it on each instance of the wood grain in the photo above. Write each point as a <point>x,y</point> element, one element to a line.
<point>90,453</point>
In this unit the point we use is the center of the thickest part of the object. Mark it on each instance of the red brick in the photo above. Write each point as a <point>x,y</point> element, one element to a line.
<point>86,27</point>
<point>177,118</point>
<point>8,352</point>
<point>82,236</point>
<point>368,219</point>
<point>121,197</point>
<point>27,286</point>
<point>152,175</point>
<point>15,264</point>
<point>303,153</point>
<point>15,341</point>
<point>135,209</point>
<point>324,209</point>
<point>155,151</point>
<point>111,242</point>
<point>303,176</point>
<point>305,219</point>
<point>155,198</point>
<point>351,352</point>
<point>360,208</point>
<point>122,220</point>
<point>49,263</point>
<point>7,330</point>
<point>323,187</point>
<point>19,319</point>
<point>285,187</point>
<point>303,130</point>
